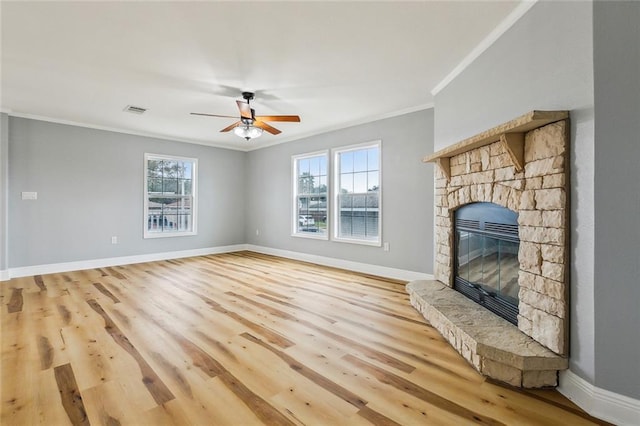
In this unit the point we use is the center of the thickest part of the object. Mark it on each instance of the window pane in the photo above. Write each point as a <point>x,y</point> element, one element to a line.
<point>358,227</point>
<point>323,165</point>
<point>305,184</point>
<point>170,169</point>
<point>185,170</point>
<point>303,204</point>
<point>314,166</point>
<point>372,225</point>
<point>154,184</point>
<point>372,181</point>
<point>303,167</point>
<point>360,161</point>
<point>170,222</point>
<point>346,162</point>
<point>184,186</point>
<point>360,182</point>
<point>372,202</point>
<point>322,185</point>
<point>154,168</point>
<point>345,202</point>
<point>170,186</point>
<point>372,159</point>
<point>346,183</point>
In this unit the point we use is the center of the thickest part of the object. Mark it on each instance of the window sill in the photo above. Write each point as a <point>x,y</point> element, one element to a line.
<point>168,234</point>
<point>359,242</point>
<point>311,236</point>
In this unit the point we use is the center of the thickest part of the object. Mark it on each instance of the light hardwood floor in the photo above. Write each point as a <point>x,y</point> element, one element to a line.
<point>240,339</point>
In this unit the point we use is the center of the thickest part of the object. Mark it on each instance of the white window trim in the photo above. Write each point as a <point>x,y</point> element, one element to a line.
<point>194,191</point>
<point>336,191</point>
<point>294,193</point>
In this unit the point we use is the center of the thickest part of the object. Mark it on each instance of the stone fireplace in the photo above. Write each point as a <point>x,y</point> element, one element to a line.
<point>521,165</point>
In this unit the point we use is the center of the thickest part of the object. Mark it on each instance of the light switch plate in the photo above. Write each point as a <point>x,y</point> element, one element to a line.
<point>29,195</point>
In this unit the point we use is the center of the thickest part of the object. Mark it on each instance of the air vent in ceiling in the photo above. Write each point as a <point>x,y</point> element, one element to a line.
<point>134,109</point>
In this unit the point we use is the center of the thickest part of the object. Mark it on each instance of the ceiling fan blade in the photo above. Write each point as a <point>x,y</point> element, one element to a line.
<point>213,115</point>
<point>290,118</point>
<point>266,127</point>
<point>226,129</point>
<point>245,110</point>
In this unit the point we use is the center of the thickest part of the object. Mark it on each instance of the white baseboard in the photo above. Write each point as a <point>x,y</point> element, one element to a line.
<point>600,403</point>
<point>367,268</point>
<point>382,271</point>
<point>53,268</point>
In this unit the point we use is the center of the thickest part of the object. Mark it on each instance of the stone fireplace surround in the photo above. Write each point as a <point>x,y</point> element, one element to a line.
<point>521,165</point>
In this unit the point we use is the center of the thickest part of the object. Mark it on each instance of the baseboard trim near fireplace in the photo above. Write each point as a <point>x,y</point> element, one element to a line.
<point>365,268</point>
<point>598,402</point>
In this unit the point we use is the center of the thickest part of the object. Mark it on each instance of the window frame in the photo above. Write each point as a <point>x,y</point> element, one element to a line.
<point>294,199</point>
<point>335,155</point>
<point>194,197</point>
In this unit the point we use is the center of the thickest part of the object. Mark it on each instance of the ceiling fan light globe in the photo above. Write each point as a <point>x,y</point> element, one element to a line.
<point>248,131</point>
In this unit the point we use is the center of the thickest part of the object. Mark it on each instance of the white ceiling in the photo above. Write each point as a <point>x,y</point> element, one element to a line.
<point>333,63</point>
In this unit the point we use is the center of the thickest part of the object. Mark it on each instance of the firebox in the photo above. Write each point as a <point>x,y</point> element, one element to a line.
<point>486,253</point>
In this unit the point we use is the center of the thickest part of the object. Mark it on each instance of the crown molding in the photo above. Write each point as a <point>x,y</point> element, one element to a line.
<point>117,130</point>
<point>487,42</point>
<point>348,124</point>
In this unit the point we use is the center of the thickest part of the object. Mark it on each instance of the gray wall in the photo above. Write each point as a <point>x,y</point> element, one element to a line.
<point>545,61</point>
<point>617,196</point>
<point>407,193</point>
<point>90,187</point>
<point>4,180</point>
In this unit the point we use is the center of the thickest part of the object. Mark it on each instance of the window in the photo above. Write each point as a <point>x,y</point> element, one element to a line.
<point>310,195</point>
<point>357,194</point>
<point>170,196</point>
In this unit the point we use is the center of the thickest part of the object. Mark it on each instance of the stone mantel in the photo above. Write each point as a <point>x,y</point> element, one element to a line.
<point>509,134</point>
<point>522,165</point>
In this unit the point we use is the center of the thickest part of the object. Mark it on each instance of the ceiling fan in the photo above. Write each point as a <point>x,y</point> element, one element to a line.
<point>251,125</point>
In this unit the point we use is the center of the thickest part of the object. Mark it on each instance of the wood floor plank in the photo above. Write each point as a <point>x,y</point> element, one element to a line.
<point>420,392</point>
<point>70,395</point>
<point>239,339</point>
<point>315,377</point>
<point>40,282</point>
<point>106,292</point>
<point>48,397</point>
<point>108,404</point>
<point>16,301</point>
<point>155,386</point>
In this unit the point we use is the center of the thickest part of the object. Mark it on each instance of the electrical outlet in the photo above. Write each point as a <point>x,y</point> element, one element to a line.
<point>29,195</point>
<point>385,246</point>
<point>257,232</point>
<point>114,240</point>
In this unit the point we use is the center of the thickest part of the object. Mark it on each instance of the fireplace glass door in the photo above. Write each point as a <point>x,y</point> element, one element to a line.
<point>487,257</point>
